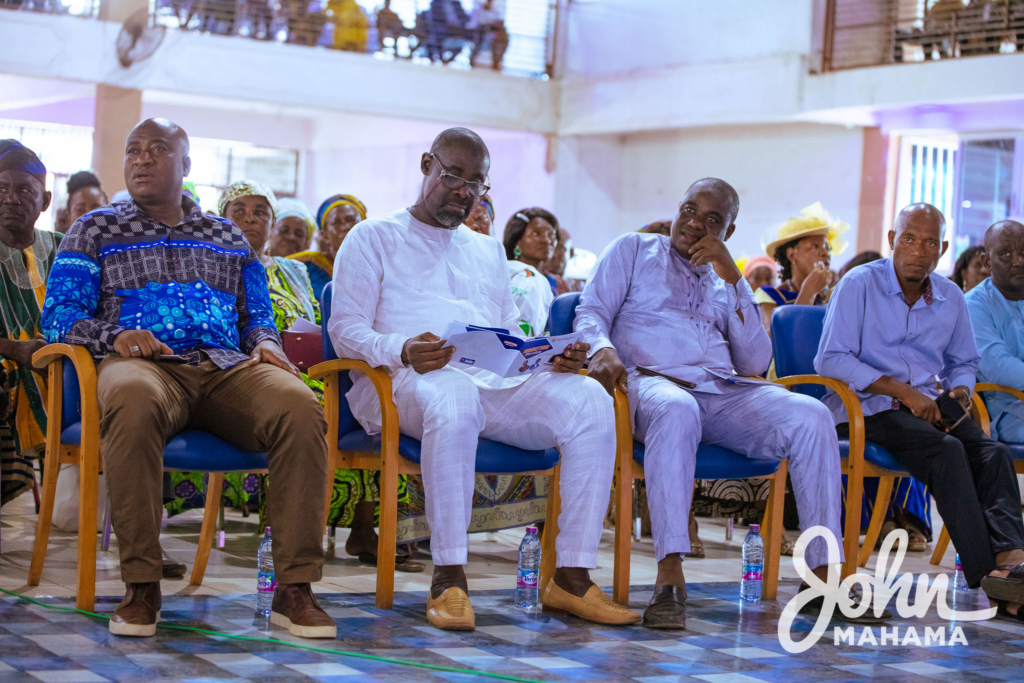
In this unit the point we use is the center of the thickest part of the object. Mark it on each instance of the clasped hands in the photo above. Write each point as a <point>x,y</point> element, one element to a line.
<point>927,409</point>
<point>425,353</point>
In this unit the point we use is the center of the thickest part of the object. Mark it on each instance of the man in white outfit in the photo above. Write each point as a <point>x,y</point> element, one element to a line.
<point>678,305</point>
<point>399,280</point>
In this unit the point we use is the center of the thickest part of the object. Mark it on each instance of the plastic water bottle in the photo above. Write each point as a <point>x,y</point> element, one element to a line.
<point>529,569</point>
<point>265,584</point>
<point>959,580</point>
<point>753,563</point>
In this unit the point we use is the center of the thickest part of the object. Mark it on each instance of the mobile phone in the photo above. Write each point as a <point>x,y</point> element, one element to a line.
<point>953,412</point>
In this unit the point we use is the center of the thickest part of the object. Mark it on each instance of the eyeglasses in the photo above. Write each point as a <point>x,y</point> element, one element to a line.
<point>454,182</point>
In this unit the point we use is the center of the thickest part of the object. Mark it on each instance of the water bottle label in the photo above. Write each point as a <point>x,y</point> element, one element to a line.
<point>527,578</point>
<point>752,572</point>
<point>265,583</point>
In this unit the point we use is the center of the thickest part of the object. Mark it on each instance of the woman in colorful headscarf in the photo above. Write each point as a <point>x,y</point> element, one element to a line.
<point>293,232</point>
<point>531,236</point>
<point>335,218</point>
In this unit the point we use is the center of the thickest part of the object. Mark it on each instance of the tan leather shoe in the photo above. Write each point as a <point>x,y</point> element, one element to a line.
<point>451,611</point>
<point>296,609</point>
<point>138,612</point>
<point>595,606</point>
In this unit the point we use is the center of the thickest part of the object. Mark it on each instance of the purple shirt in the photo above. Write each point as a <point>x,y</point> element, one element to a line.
<point>870,332</point>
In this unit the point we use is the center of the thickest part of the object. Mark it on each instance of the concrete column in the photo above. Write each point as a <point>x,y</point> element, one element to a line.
<point>117,112</point>
<point>871,212</point>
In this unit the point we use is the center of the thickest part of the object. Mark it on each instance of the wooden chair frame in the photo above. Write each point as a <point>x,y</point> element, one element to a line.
<point>390,465</point>
<point>981,416</point>
<point>87,456</point>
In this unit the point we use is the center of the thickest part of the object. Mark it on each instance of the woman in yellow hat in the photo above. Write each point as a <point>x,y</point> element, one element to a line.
<point>803,247</point>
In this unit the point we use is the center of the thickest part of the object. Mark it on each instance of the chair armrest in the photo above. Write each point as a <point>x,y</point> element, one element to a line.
<point>985,386</point>
<point>980,410</point>
<point>328,370</point>
<point>85,369</point>
<point>854,411</point>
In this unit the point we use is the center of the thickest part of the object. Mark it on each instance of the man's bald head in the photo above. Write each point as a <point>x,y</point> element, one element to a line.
<point>460,138</point>
<point>168,128</point>
<point>921,213</point>
<point>723,190</point>
<point>155,164</point>
<point>1004,249</point>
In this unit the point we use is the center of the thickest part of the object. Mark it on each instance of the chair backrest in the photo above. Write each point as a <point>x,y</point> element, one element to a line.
<point>796,333</point>
<point>346,421</point>
<point>563,313</point>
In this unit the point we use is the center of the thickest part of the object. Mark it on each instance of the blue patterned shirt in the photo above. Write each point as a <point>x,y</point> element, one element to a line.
<point>198,285</point>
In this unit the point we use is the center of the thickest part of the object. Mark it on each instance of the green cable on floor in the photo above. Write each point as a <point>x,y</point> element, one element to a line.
<point>274,641</point>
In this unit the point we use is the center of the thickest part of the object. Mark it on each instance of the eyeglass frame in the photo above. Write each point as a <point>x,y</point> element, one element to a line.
<point>465,183</point>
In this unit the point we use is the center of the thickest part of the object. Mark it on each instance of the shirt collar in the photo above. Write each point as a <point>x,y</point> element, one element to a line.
<point>931,293</point>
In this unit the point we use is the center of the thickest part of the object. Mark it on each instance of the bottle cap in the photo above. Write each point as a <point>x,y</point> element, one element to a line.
<point>531,529</point>
<point>267,530</point>
<point>755,528</point>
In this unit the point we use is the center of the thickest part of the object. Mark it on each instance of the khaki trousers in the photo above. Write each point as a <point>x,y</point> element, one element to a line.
<point>143,404</point>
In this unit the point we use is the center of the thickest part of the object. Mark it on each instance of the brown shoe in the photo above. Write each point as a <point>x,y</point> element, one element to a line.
<point>138,612</point>
<point>296,609</point>
<point>451,611</point>
<point>595,606</point>
<point>172,569</point>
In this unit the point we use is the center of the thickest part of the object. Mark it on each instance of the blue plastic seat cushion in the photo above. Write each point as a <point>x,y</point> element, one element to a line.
<point>715,462</point>
<point>874,454</point>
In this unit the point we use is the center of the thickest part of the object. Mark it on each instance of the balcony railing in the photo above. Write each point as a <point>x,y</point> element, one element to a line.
<point>872,32</point>
<point>515,37</point>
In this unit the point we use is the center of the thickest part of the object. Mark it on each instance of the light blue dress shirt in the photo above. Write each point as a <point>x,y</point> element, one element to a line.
<point>999,333</point>
<point>661,312</point>
<point>870,332</point>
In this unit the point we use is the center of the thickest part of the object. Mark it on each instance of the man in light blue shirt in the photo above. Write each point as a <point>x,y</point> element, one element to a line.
<point>997,313</point>
<point>678,306</point>
<point>893,327</point>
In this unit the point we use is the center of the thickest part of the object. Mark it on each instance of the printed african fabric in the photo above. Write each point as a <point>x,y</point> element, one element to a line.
<point>319,267</point>
<point>197,286</point>
<point>779,296</point>
<point>291,298</point>
<point>500,501</point>
<point>23,276</point>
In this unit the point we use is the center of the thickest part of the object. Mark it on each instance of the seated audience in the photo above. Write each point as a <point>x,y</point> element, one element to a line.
<point>335,218</point>
<point>891,328</point>
<point>482,217</point>
<point>293,230</point>
<point>85,194</point>
<point>530,238</point>
<point>647,289</point>
<point>488,26</point>
<point>995,308</point>
<point>555,266</point>
<point>400,280</point>
<point>389,25</point>
<point>971,268</point>
<point>351,26</point>
<point>27,254</point>
<point>860,259</point>
<point>132,289</point>
<point>760,271</point>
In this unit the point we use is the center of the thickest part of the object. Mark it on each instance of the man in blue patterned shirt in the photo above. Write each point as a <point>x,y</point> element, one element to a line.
<point>177,302</point>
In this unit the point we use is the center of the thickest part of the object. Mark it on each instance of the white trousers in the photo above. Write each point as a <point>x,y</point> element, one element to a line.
<point>448,413</point>
<point>759,422</point>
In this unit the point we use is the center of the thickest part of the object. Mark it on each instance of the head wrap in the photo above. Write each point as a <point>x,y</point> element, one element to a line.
<point>338,200</point>
<point>15,156</point>
<point>755,262</point>
<point>246,188</point>
<point>188,188</point>
<point>488,204</point>
<point>813,220</point>
<point>288,207</point>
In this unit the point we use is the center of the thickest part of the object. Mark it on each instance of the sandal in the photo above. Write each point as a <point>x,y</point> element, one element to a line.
<point>667,609</point>
<point>917,541</point>
<point>888,527</point>
<point>696,545</point>
<point>1001,611</point>
<point>787,548</point>
<point>1008,588</point>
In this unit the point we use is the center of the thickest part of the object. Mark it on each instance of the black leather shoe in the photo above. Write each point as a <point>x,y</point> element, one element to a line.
<point>667,609</point>
<point>813,609</point>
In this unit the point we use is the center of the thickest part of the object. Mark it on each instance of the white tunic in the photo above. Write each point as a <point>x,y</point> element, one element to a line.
<point>395,278</point>
<point>533,297</point>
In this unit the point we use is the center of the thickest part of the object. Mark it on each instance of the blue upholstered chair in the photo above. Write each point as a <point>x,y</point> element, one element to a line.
<point>394,453</point>
<point>981,416</point>
<point>796,333</point>
<point>73,436</point>
<point>713,462</point>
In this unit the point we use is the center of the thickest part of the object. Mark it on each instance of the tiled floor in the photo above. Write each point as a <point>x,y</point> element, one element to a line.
<point>725,641</point>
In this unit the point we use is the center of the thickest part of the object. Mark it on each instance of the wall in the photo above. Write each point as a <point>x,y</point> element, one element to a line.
<point>776,169</point>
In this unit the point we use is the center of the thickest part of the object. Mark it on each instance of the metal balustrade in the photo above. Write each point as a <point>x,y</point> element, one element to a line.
<point>515,37</point>
<point>872,32</point>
